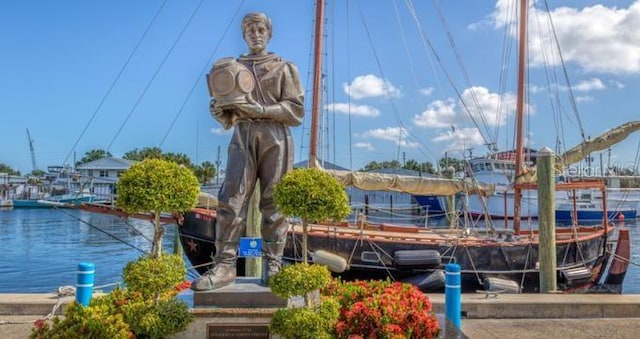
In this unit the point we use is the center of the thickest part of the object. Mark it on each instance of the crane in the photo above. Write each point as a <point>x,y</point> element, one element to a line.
<point>33,154</point>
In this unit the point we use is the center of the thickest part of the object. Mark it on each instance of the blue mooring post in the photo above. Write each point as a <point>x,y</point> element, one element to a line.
<point>84,285</point>
<point>452,302</point>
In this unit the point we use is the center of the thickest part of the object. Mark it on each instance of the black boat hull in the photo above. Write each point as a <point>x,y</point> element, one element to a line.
<point>580,265</point>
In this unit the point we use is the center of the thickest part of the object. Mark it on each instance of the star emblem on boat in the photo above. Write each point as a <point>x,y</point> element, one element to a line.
<point>193,246</point>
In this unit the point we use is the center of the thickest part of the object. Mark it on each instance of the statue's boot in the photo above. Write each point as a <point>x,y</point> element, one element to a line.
<point>223,272</point>
<point>271,259</point>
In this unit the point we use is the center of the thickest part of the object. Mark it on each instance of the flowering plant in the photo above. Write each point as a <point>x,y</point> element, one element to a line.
<point>382,309</point>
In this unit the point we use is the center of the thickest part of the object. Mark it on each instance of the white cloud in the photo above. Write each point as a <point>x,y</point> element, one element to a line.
<point>484,106</point>
<point>398,135</point>
<point>534,89</point>
<point>491,107</point>
<point>427,91</point>
<point>438,114</point>
<point>368,86</point>
<point>584,98</point>
<point>598,38</point>
<point>364,145</point>
<point>460,139</point>
<point>359,110</point>
<point>221,131</point>
<point>617,84</point>
<point>589,85</point>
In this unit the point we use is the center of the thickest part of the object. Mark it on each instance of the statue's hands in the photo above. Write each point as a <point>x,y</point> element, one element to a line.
<point>250,110</point>
<point>215,110</point>
<point>223,115</point>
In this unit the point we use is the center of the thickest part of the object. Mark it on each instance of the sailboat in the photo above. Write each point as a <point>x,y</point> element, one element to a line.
<point>491,258</point>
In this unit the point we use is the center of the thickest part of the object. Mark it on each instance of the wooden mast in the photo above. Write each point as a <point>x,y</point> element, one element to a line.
<point>522,59</point>
<point>317,83</point>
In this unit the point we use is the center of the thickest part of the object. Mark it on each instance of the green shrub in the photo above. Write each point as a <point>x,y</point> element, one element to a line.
<point>79,322</point>
<point>151,276</point>
<point>148,308</point>
<point>299,280</point>
<point>307,322</point>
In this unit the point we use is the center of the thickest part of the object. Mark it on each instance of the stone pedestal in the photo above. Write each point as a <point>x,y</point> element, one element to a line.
<point>246,292</point>
<point>240,310</point>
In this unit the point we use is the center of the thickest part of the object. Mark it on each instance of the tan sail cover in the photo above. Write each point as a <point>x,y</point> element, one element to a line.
<point>600,143</point>
<point>582,150</point>
<point>401,183</point>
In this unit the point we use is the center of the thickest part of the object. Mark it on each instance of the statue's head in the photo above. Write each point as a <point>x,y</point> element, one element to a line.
<point>256,31</point>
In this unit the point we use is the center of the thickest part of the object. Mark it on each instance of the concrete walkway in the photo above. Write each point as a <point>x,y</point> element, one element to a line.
<point>505,316</point>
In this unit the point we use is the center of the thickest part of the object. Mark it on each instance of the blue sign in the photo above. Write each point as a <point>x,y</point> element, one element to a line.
<point>250,247</point>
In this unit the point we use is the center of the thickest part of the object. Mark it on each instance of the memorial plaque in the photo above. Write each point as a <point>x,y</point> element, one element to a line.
<point>215,331</point>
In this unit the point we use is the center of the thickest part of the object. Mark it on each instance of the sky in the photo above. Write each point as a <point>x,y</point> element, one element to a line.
<point>404,79</point>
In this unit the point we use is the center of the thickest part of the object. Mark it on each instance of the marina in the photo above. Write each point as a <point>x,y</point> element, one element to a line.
<point>44,246</point>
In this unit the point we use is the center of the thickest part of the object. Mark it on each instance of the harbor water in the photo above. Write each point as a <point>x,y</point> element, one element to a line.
<point>41,248</point>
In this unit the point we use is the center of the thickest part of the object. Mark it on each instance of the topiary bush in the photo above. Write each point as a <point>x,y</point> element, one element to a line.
<point>147,308</point>
<point>299,280</point>
<point>99,322</point>
<point>313,195</point>
<point>155,186</point>
<point>152,276</point>
<point>307,322</point>
<point>313,320</point>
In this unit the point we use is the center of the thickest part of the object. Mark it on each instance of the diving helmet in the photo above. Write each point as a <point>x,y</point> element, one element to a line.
<point>230,82</point>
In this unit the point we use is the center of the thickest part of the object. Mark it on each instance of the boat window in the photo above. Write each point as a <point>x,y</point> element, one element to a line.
<point>481,167</point>
<point>489,166</point>
<point>370,257</point>
<point>511,167</point>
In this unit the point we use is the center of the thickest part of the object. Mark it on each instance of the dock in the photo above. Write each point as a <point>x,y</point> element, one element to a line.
<point>484,315</point>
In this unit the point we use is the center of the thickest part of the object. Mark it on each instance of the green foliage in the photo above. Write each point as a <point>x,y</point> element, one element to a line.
<point>92,155</point>
<point>205,172</point>
<point>311,194</point>
<point>306,322</point>
<point>457,164</point>
<point>7,169</point>
<point>145,153</point>
<point>148,308</point>
<point>299,279</point>
<point>37,173</point>
<point>99,322</point>
<point>310,321</point>
<point>155,185</point>
<point>151,276</point>
<point>156,319</point>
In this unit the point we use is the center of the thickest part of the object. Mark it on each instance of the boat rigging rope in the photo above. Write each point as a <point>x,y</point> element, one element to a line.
<point>113,83</point>
<point>621,258</point>
<point>155,74</point>
<point>429,46</point>
<point>526,264</point>
<point>202,72</point>
<point>401,128</point>
<point>465,74</point>
<point>105,232</point>
<point>473,265</point>
<point>564,70</point>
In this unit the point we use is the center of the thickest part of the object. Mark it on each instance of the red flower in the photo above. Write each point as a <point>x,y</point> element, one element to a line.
<point>383,309</point>
<point>39,323</point>
<point>183,286</point>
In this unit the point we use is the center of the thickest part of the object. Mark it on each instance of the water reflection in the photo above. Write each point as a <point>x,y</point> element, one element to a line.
<point>42,247</point>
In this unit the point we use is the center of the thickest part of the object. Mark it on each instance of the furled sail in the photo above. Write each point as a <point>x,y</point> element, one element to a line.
<point>600,143</point>
<point>582,150</point>
<point>403,183</point>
